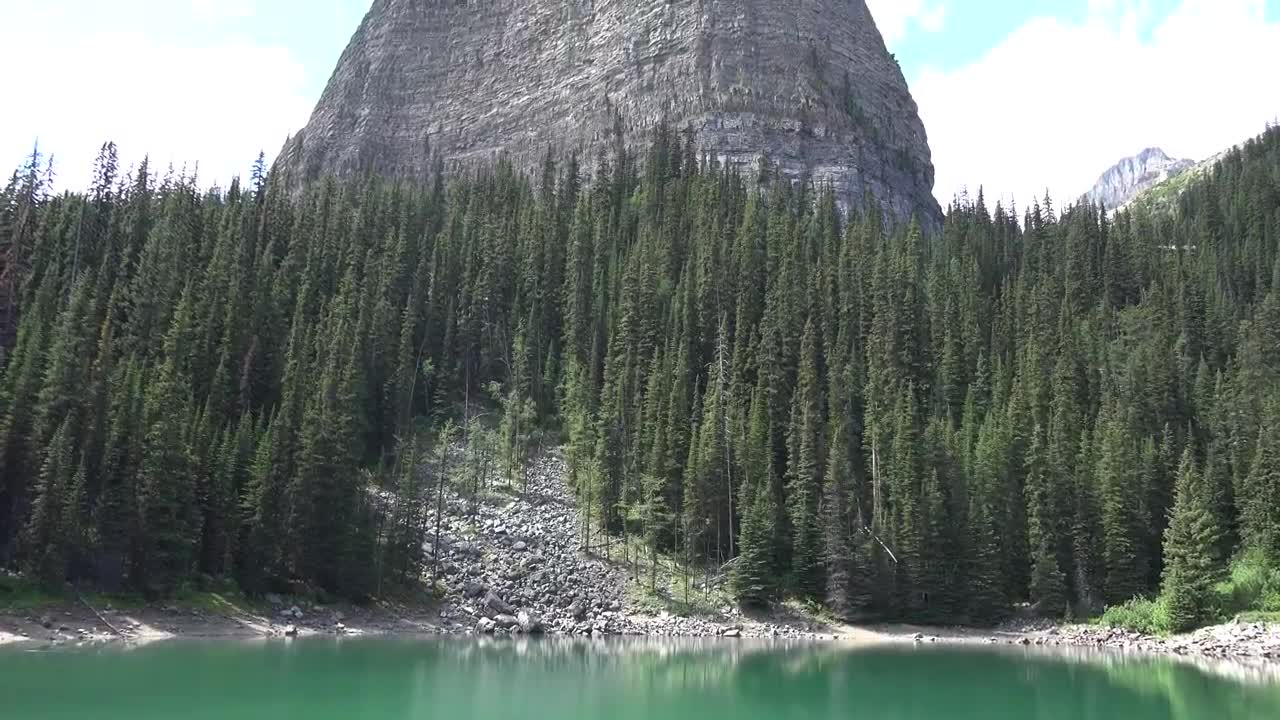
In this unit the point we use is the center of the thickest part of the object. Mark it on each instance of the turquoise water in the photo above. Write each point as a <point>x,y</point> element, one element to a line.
<point>377,679</point>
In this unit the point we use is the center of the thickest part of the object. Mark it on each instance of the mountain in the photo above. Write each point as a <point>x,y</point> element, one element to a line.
<point>1134,175</point>
<point>807,84</point>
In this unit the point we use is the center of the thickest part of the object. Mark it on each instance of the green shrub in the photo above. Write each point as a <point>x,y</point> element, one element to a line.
<point>1149,617</point>
<point>1271,598</point>
<point>1253,585</point>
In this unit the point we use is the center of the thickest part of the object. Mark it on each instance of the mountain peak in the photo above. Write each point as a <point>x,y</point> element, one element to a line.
<point>1153,153</point>
<point>1133,175</point>
<point>807,85</point>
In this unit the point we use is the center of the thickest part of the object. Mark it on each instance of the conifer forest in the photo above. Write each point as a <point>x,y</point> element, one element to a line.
<point>1047,405</point>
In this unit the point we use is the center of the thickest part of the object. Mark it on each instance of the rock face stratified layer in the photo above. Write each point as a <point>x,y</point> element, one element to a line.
<point>807,83</point>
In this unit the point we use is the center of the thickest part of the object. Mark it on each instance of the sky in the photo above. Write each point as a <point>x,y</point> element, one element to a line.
<point>1018,96</point>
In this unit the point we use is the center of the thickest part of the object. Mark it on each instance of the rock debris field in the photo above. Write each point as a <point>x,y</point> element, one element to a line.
<point>516,566</point>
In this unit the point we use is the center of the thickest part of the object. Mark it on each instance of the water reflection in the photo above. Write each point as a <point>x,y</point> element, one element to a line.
<point>619,680</point>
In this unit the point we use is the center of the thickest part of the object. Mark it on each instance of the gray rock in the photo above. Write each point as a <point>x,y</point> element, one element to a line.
<point>474,590</point>
<point>530,624</point>
<point>808,85</point>
<point>498,605</point>
<point>485,626</point>
<point>733,633</point>
<point>291,631</point>
<point>506,622</point>
<point>46,622</point>
<point>275,599</point>
<point>520,546</point>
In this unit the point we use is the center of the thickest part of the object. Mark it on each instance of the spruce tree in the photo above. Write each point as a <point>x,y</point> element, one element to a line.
<point>1119,476</point>
<point>1190,568</point>
<point>46,534</point>
<point>803,472</point>
<point>837,529</point>
<point>1261,515</point>
<point>166,488</point>
<point>754,578</point>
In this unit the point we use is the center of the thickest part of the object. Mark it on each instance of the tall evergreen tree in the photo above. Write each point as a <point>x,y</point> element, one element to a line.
<point>1190,568</point>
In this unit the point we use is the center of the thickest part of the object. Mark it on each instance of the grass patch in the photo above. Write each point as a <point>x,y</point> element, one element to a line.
<point>210,602</point>
<point>21,595</point>
<point>670,598</point>
<point>1260,617</point>
<point>117,601</point>
<point>661,588</point>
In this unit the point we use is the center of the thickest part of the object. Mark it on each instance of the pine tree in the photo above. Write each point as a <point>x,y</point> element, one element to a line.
<point>1190,568</point>
<point>928,427</point>
<point>1119,476</point>
<point>166,488</point>
<point>837,530</point>
<point>803,472</point>
<point>754,578</point>
<point>46,534</point>
<point>1048,583</point>
<point>1261,501</point>
<point>325,488</point>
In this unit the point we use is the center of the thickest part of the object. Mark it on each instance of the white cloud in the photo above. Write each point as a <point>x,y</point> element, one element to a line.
<point>217,104</point>
<point>894,17</point>
<point>933,19</point>
<point>1057,103</point>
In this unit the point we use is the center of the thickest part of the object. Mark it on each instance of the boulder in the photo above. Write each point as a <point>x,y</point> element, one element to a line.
<point>520,546</point>
<point>733,633</point>
<point>506,622</point>
<point>498,605</point>
<point>530,624</point>
<point>485,626</point>
<point>291,631</point>
<point>474,590</point>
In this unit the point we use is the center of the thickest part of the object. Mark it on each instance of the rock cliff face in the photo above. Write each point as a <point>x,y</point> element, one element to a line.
<point>807,83</point>
<point>1133,176</point>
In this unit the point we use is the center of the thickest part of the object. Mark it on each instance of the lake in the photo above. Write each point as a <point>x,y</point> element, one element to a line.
<point>396,679</point>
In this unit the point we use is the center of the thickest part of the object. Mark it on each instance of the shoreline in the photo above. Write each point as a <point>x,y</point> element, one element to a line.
<point>513,566</point>
<point>77,626</point>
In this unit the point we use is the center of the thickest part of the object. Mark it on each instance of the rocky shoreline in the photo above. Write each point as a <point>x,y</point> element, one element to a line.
<point>513,566</point>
